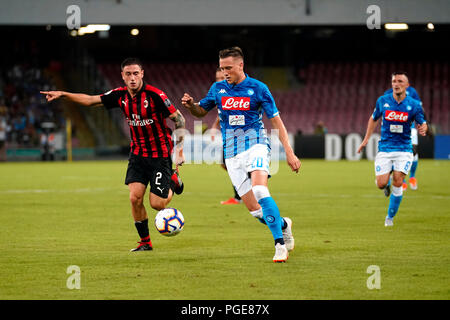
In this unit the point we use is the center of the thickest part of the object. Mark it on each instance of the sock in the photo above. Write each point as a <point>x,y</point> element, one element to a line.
<point>283,224</point>
<point>413,168</point>
<point>258,215</point>
<point>271,215</point>
<point>280,241</point>
<point>394,201</point>
<point>236,195</point>
<point>142,229</point>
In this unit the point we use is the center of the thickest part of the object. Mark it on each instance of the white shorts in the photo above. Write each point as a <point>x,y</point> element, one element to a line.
<point>414,136</point>
<point>385,162</point>
<point>239,167</point>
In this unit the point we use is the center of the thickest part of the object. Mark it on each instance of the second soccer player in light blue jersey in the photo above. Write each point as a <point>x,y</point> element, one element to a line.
<point>412,93</point>
<point>397,111</point>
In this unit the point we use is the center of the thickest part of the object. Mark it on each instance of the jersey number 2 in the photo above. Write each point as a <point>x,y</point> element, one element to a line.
<point>158,177</point>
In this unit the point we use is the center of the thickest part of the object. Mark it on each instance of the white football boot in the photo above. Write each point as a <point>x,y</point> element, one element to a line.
<point>281,253</point>
<point>389,222</point>
<point>287,235</point>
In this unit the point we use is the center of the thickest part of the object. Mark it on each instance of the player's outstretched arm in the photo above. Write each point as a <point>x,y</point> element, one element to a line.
<point>292,160</point>
<point>194,108</point>
<point>79,98</point>
<point>370,128</point>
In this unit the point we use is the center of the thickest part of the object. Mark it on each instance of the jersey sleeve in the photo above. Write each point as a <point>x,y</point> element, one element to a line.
<point>164,104</point>
<point>268,103</point>
<point>413,94</point>
<point>209,102</point>
<point>419,116</point>
<point>111,98</point>
<point>377,112</point>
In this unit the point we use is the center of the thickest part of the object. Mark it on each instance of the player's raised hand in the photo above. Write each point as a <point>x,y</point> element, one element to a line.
<point>52,95</point>
<point>179,157</point>
<point>361,146</point>
<point>187,101</point>
<point>423,128</point>
<point>293,162</point>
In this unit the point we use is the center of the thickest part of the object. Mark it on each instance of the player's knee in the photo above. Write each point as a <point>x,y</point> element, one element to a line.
<point>382,181</point>
<point>135,199</point>
<point>158,204</point>
<point>397,181</point>
<point>381,184</point>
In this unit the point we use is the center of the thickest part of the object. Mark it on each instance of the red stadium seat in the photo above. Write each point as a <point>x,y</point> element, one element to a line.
<point>342,94</point>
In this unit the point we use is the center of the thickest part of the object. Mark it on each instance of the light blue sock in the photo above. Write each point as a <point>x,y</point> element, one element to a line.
<point>413,169</point>
<point>272,217</point>
<point>394,204</point>
<point>283,222</point>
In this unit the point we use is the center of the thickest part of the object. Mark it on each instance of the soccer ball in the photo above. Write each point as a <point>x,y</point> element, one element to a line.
<point>169,221</point>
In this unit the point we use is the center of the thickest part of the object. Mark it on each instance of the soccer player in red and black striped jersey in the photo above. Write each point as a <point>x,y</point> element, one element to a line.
<point>145,108</point>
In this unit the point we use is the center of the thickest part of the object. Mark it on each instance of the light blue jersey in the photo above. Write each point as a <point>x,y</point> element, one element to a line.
<point>241,109</point>
<point>410,92</point>
<point>396,122</point>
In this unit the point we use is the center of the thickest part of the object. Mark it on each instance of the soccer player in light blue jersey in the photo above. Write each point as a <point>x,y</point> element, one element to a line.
<point>397,111</point>
<point>411,92</point>
<point>241,102</point>
<point>216,125</point>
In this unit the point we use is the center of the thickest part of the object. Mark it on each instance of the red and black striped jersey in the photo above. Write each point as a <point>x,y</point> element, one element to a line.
<point>145,114</point>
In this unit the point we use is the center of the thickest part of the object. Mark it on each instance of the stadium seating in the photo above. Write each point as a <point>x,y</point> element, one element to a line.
<point>341,94</point>
<point>25,107</point>
<point>174,79</point>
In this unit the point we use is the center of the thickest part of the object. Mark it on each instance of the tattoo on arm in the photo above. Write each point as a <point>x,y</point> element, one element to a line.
<point>180,123</point>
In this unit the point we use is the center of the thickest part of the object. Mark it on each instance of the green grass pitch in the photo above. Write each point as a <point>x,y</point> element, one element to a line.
<point>54,215</point>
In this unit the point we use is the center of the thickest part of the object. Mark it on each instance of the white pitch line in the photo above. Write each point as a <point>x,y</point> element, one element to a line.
<point>336,195</point>
<point>80,190</point>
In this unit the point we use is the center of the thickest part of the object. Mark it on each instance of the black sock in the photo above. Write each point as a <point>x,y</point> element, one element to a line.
<point>142,228</point>
<point>280,241</point>
<point>236,195</point>
<point>284,224</point>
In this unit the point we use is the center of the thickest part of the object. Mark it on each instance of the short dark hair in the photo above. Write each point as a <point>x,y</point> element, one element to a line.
<point>399,73</point>
<point>131,61</point>
<point>235,52</point>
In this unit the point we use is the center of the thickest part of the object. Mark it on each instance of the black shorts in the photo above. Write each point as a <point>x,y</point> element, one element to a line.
<point>156,171</point>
